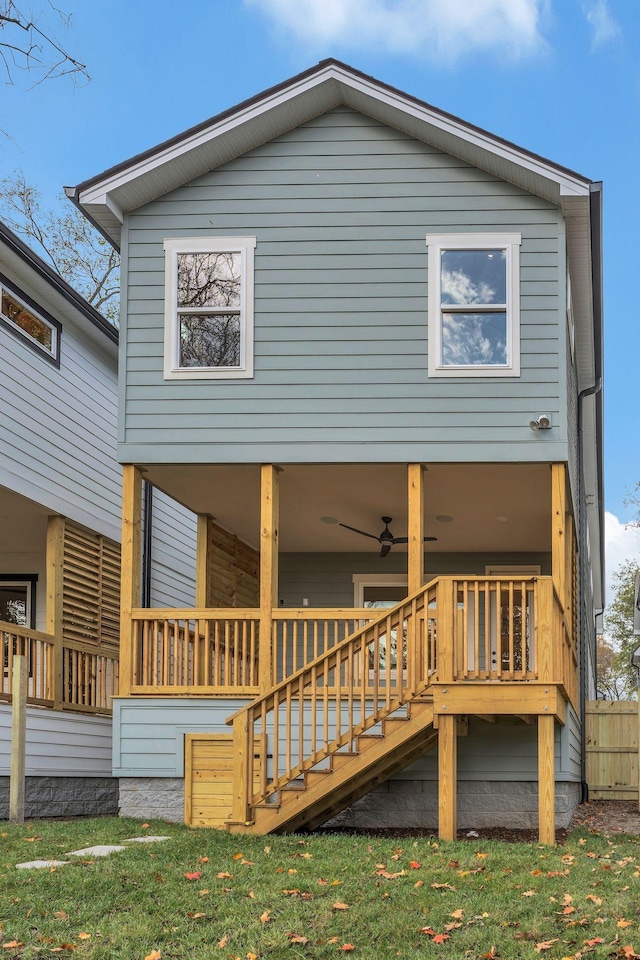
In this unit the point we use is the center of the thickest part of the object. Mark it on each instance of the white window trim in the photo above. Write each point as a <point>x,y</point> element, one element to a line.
<point>362,580</point>
<point>173,246</point>
<point>52,354</point>
<point>510,243</point>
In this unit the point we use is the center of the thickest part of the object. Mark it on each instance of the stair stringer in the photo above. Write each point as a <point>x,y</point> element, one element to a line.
<point>350,777</point>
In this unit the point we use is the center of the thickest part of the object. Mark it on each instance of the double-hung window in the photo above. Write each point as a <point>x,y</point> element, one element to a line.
<point>474,305</point>
<point>209,307</point>
<point>20,315</point>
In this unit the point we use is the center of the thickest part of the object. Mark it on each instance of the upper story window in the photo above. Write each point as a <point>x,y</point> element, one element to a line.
<point>209,307</point>
<point>474,305</point>
<point>20,315</point>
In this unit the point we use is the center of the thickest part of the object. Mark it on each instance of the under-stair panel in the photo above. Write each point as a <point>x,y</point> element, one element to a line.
<point>209,778</point>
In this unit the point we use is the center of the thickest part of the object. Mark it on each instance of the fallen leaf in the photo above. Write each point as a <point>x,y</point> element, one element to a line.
<point>339,906</point>
<point>265,917</point>
<point>154,955</point>
<point>443,886</point>
<point>529,893</point>
<point>297,938</point>
<point>61,914</point>
<point>594,899</point>
<point>203,859</point>
<point>291,871</point>
<point>145,826</point>
<point>10,944</point>
<point>193,876</point>
<point>545,945</point>
<point>196,916</point>
<point>429,931</point>
<point>482,856</point>
<point>594,941</point>
<point>622,923</point>
<point>238,856</point>
<point>440,938</point>
<point>224,876</point>
<point>333,939</point>
<point>628,952</point>
<point>415,865</point>
<point>84,936</point>
<point>223,942</point>
<point>457,914</point>
<point>347,947</point>
<point>491,954</point>
<point>203,893</point>
<point>419,883</point>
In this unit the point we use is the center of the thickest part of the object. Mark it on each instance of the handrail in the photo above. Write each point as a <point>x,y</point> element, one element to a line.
<point>26,632</point>
<point>326,704</point>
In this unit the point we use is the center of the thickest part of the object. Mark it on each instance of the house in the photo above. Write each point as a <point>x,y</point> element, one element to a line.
<point>362,341</point>
<point>60,530</point>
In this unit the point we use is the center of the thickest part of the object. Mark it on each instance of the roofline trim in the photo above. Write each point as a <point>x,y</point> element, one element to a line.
<point>31,258</point>
<point>94,189</point>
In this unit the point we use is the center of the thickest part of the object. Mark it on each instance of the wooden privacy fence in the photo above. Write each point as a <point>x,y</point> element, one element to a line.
<point>612,749</point>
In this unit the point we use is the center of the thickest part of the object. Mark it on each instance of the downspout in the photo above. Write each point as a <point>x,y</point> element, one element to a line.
<point>595,211</point>
<point>147,541</point>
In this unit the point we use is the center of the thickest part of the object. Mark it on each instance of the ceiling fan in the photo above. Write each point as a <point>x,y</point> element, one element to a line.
<point>386,538</point>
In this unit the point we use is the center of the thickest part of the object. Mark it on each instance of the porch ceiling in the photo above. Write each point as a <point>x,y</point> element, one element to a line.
<point>495,507</point>
<point>23,526</point>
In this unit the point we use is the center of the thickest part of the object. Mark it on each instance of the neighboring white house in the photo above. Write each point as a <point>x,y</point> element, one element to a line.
<point>60,505</point>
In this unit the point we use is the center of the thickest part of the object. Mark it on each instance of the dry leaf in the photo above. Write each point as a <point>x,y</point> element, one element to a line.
<point>545,945</point>
<point>622,923</point>
<point>203,859</point>
<point>347,947</point>
<point>203,893</point>
<point>339,906</point>
<point>238,856</point>
<point>145,826</point>
<point>414,865</point>
<point>154,955</point>
<point>457,914</point>
<point>529,893</point>
<point>594,941</point>
<point>196,916</point>
<point>265,917</point>
<point>493,953</point>
<point>223,942</point>
<point>224,876</point>
<point>60,914</point>
<point>440,938</point>
<point>419,883</point>
<point>10,944</point>
<point>297,938</point>
<point>84,936</point>
<point>193,876</point>
<point>333,939</point>
<point>443,886</point>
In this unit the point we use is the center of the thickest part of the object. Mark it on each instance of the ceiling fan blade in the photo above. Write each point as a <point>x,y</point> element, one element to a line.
<point>362,532</point>
<point>427,539</point>
<point>384,550</point>
<point>400,540</point>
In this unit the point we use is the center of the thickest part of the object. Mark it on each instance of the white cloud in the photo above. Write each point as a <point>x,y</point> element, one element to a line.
<point>603,27</point>
<point>438,30</point>
<point>620,543</point>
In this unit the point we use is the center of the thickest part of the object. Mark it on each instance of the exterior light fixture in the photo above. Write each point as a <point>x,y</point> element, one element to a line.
<point>542,422</point>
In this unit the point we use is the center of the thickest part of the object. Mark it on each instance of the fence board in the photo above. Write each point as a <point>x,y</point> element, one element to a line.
<point>612,749</point>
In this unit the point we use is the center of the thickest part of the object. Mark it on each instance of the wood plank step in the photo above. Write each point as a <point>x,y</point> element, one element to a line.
<point>393,723</point>
<point>367,740</point>
<point>339,760</point>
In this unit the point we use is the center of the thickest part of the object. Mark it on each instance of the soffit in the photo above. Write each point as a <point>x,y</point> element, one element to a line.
<point>129,185</point>
<point>359,494</point>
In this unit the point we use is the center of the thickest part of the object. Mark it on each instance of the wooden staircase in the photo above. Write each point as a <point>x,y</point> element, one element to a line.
<point>346,722</point>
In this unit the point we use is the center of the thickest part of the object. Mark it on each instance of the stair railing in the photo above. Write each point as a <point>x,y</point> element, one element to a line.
<point>324,706</point>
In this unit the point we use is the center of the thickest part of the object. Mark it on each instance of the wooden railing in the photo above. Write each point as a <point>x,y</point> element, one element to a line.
<point>87,678</point>
<point>38,649</point>
<point>324,706</point>
<point>455,629</point>
<point>206,651</point>
<point>302,635</point>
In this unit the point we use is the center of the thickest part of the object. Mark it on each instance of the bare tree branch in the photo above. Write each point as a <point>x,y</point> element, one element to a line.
<point>28,43</point>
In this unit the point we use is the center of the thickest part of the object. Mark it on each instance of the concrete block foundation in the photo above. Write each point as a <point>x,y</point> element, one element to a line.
<point>64,797</point>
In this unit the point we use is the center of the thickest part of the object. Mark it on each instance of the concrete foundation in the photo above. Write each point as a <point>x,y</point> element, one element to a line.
<point>481,804</point>
<point>147,798</point>
<point>64,796</point>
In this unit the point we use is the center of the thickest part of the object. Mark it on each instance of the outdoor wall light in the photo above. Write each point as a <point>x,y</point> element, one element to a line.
<point>542,422</point>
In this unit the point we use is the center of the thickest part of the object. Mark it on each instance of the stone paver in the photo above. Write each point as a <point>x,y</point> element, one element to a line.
<point>40,864</point>
<point>145,839</point>
<point>100,850</point>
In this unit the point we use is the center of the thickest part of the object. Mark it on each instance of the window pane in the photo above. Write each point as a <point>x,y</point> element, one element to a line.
<point>13,604</point>
<point>23,318</point>
<point>474,276</point>
<point>474,339</point>
<point>381,597</point>
<point>208,279</point>
<point>210,341</point>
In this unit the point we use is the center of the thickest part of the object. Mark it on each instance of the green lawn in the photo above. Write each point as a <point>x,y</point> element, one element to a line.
<point>204,894</point>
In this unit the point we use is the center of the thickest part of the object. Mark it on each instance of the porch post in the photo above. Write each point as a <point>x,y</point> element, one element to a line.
<point>202,560</point>
<point>130,570</point>
<point>558,530</point>
<point>54,609</point>
<point>447,777</point>
<point>546,781</point>
<point>269,523</point>
<point>415,532</point>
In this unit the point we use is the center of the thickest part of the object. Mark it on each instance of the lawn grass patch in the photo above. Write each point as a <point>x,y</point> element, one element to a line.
<point>205,894</point>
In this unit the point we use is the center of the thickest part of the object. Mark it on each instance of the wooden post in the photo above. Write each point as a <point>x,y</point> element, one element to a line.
<point>546,781</point>
<point>241,779</point>
<point>54,606</point>
<point>202,560</point>
<point>546,653</point>
<point>130,574</point>
<point>18,738</point>
<point>447,777</point>
<point>415,558</point>
<point>558,530</point>
<point>269,522</point>
<point>445,643</point>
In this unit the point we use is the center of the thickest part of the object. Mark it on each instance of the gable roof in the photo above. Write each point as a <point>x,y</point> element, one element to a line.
<point>106,197</point>
<point>15,253</point>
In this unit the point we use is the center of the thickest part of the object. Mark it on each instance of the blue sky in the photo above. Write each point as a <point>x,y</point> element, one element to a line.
<point>559,77</point>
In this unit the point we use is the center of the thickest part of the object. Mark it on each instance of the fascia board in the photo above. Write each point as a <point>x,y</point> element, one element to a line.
<point>310,95</point>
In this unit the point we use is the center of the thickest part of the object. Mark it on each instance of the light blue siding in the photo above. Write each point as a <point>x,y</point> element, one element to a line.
<point>341,208</point>
<point>173,553</point>
<point>59,744</point>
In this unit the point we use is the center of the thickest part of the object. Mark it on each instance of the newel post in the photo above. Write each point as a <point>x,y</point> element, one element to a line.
<point>241,779</point>
<point>130,570</point>
<point>269,523</point>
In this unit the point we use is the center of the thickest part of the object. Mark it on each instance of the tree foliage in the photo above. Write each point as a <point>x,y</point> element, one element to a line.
<point>67,241</point>
<point>615,672</point>
<point>29,43</point>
